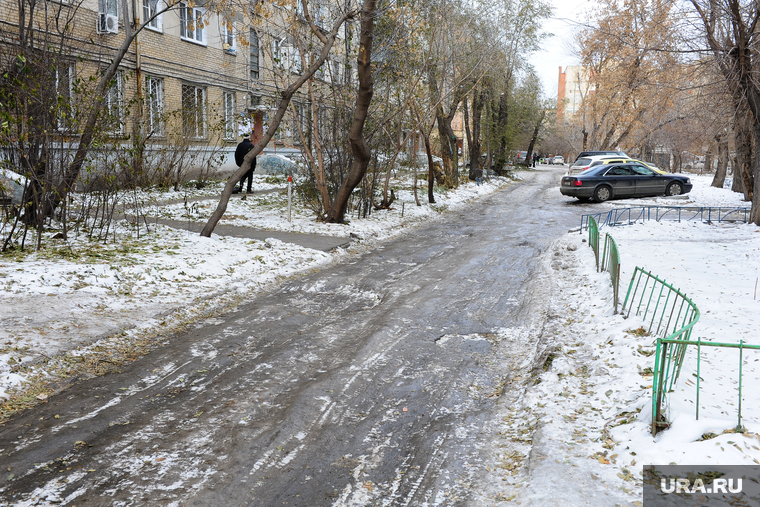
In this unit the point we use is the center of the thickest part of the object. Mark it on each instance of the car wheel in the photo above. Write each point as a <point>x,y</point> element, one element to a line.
<point>602,193</point>
<point>675,188</point>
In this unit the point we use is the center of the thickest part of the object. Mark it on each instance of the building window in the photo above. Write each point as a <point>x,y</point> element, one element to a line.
<point>194,111</point>
<point>191,23</point>
<point>150,8</point>
<point>229,115</point>
<point>108,16</point>
<point>64,89</point>
<point>319,13</point>
<point>114,106</point>
<point>278,54</point>
<point>254,55</point>
<point>299,121</point>
<point>154,89</point>
<point>228,35</point>
<point>296,64</point>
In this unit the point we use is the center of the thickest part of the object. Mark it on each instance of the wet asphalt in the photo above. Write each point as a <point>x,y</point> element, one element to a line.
<point>369,382</point>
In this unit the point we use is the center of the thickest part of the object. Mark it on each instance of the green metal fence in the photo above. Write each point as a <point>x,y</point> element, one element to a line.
<point>670,316</point>
<point>662,342</point>
<point>611,264</point>
<point>593,238</point>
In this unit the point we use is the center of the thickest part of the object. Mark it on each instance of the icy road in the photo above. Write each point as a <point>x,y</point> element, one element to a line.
<point>372,382</point>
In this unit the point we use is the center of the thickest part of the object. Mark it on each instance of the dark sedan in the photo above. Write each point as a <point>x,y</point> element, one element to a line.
<point>616,181</point>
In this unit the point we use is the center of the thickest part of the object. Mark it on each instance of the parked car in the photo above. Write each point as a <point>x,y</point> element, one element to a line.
<point>617,181</point>
<point>11,187</point>
<point>584,163</point>
<point>600,153</point>
<point>602,160</point>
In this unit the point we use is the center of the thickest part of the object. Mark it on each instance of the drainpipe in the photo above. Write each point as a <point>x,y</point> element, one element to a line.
<point>137,129</point>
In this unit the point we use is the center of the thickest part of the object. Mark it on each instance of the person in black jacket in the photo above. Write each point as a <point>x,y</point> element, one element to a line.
<point>240,152</point>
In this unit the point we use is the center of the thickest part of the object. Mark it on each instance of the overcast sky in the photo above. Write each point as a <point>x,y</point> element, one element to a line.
<point>558,49</point>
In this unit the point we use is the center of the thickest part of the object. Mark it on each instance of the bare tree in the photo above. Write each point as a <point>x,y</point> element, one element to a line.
<point>730,29</point>
<point>327,40</point>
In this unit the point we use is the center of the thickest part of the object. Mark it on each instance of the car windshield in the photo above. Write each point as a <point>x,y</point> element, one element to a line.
<point>582,162</point>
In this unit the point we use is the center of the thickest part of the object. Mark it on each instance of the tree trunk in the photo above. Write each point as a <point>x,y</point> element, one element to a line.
<point>722,157</point>
<point>708,164</point>
<point>478,102</point>
<point>448,148</point>
<point>720,174</point>
<point>359,147</point>
<point>755,213</point>
<point>431,166</point>
<point>467,131</point>
<point>743,141</point>
<point>502,123</point>
<point>534,138</point>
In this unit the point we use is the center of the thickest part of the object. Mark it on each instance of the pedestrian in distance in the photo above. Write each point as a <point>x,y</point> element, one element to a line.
<point>535,158</point>
<point>240,152</point>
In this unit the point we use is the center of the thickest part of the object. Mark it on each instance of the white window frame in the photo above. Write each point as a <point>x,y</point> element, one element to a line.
<point>279,53</point>
<point>254,54</point>
<point>151,7</point>
<point>154,98</point>
<point>228,34</point>
<point>199,111</point>
<point>230,120</point>
<point>64,86</point>
<point>296,65</point>
<point>192,17</point>
<point>107,8</point>
<point>114,102</point>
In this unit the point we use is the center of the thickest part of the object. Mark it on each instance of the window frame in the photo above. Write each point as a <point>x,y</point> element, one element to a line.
<point>198,25</point>
<point>254,35</point>
<point>199,112</point>
<point>296,64</point>
<point>156,23</point>
<point>279,53</point>
<point>155,105</point>
<point>65,121</point>
<point>228,109</point>
<point>107,8</point>
<point>227,34</point>
<point>114,102</point>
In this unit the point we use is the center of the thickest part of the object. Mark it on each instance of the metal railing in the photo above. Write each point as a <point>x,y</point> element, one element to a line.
<point>663,342</point>
<point>670,316</point>
<point>627,216</point>
<point>593,239</point>
<point>611,264</point>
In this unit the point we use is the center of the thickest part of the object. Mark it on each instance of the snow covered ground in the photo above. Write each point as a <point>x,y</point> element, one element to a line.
<point>586,420</point>
<point>78,298</point>
<point>592,406</point>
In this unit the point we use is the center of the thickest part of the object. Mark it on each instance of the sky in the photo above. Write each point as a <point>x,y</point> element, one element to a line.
<point>593,402</point>
<point>557,50</point>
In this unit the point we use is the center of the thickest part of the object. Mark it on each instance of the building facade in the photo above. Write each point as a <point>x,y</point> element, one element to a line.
<point>195,75</point>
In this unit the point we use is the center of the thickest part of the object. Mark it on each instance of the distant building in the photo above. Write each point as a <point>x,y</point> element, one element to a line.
<point>574,85</point>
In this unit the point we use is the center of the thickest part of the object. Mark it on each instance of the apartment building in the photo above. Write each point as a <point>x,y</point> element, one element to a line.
<point>196,74</point>
<point>574,85</point>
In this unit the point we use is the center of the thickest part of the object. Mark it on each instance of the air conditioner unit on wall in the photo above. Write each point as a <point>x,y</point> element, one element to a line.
<point>108,23</point>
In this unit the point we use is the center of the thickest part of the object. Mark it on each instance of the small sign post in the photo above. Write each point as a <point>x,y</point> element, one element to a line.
<point>290,195</point>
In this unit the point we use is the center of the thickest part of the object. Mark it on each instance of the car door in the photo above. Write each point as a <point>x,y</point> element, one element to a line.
<point>622,179</point>
<point>648,182</point>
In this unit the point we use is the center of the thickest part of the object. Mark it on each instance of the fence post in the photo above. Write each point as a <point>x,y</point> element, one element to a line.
<point>739,428</point>
<point>699,357</point>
